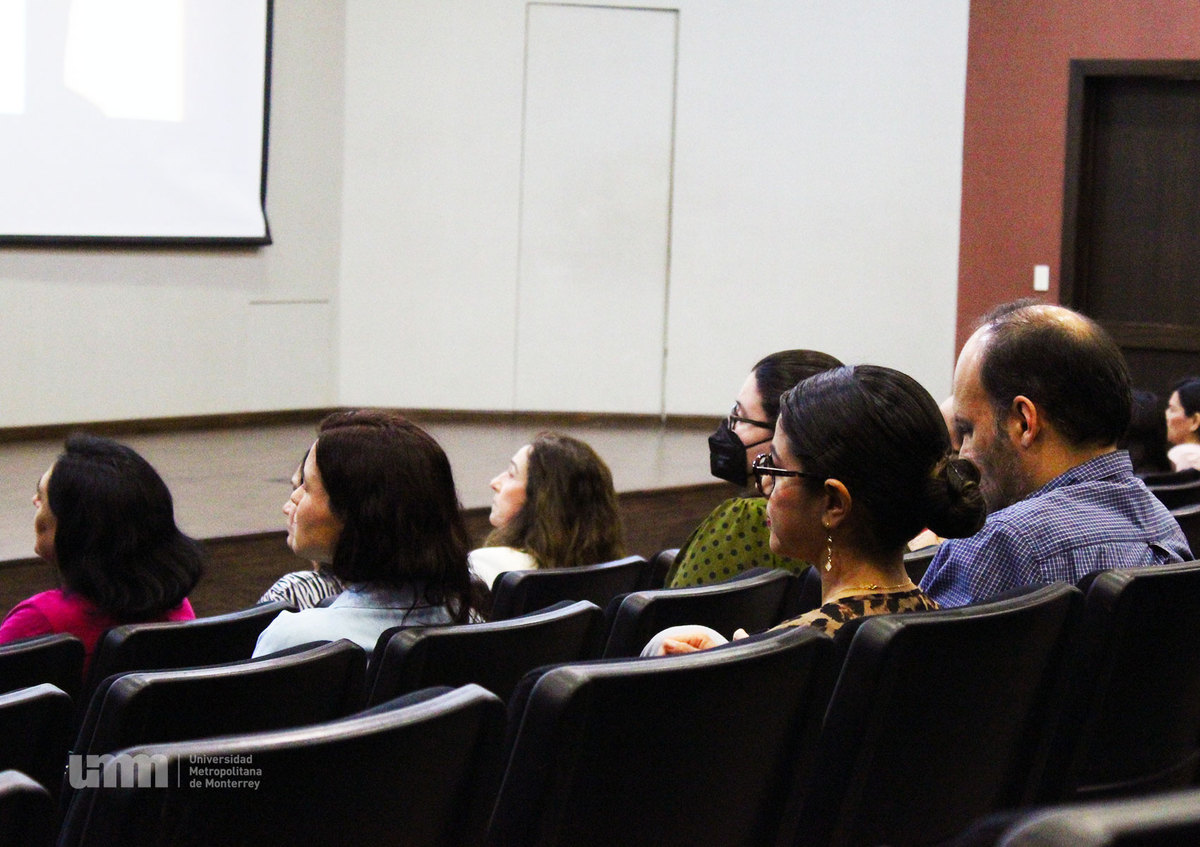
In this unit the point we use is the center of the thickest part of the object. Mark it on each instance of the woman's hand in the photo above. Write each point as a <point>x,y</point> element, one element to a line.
<point>689,644</point>
<point>677,640</point>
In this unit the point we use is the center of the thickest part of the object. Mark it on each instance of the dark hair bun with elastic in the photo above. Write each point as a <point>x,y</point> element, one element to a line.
<point>956,505</point>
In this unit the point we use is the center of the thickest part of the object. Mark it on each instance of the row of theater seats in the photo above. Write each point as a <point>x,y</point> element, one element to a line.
<point>924,728</point>
<point>1177,488</point>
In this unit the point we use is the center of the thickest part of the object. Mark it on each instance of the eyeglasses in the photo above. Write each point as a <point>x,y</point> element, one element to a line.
<point>733,419</point>
<point>765,473</point>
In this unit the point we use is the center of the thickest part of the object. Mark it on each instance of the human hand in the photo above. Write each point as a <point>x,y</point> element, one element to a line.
<point>676,640</point>
<point>689,644</point>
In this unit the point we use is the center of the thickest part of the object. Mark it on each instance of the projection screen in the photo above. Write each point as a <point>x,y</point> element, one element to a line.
<point>134,120</point>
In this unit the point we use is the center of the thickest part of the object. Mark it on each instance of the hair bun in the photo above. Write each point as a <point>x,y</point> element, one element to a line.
<point>956,505</point>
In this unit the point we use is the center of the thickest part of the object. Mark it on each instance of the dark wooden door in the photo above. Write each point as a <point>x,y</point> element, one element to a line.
<point>1131,234</point>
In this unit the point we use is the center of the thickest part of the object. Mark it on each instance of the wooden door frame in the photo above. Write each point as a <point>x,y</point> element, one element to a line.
<point>1080,132</point>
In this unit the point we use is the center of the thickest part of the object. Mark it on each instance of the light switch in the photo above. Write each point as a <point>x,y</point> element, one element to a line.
<point>1041,277</point>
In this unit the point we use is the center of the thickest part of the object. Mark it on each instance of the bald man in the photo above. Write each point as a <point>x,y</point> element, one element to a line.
<point>1041,395</point>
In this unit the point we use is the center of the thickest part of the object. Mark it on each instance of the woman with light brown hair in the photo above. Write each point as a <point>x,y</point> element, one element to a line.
<point>553,507</point>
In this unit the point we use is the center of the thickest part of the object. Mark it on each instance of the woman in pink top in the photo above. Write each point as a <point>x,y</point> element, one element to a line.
<point>106,521</point>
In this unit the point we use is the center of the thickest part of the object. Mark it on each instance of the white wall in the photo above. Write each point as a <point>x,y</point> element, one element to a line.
<point>108,334</point>
<point>815,202</point>
<point>816,186</point>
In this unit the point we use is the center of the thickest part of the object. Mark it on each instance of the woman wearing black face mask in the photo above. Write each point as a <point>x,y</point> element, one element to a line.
<point>734,537</point>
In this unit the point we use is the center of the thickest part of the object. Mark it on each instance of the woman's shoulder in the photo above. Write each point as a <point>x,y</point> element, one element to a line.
<point>518,559</point>
<point>487,563</point>
<point>1185,456</point>
<point>737,514</point>
<point>739,508</point>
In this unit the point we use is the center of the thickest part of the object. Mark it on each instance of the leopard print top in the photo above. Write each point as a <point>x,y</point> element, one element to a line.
<point>829,617</point>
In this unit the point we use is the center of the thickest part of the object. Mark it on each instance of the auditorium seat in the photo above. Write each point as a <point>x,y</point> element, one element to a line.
<point>26,811</point>
<point>1178,494</point>
<point>660,566</point>
<point>56,659</point>
<point>937,718</point>
<point>520,592</point>
<point>916,562</point>
<point>35,727</point>
<point>179,644</point>
<point>1188,518</point>
<point>422,771</point>
<point>682,750</point>
<point>754,601</point>
<point>1171,477</point>
<point>1164,820</point>
<point>494,655</point>
<point>301,685</point>
<point>1132,714</point>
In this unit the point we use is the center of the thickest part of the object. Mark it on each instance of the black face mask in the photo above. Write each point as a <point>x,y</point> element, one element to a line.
<point>727,455</point>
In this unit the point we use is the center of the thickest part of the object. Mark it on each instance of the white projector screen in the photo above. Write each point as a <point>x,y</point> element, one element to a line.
<point>134,120</point>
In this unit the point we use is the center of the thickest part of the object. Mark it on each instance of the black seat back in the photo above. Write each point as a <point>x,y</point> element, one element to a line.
<point>1188,518</point>
<point>937,718</point>
<point>26,811</point>
<point>1177,495</point>
<point>683,750</point>
<point>520,592</point>
<point>301,685</point>
<point>180,644</point>
<point>56,659</point>
<point>754,603</point>
<point>1163,820</point>
<point>494,655</point>
<point>422,773</point>
<point>1132,715</point>
<point>35,726</point>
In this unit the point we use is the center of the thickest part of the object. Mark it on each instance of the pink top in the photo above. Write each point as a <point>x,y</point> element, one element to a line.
<point>55,611</point>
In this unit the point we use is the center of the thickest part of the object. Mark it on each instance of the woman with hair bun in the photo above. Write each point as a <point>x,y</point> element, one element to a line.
<point>106,521</point>
<point>859,464</point>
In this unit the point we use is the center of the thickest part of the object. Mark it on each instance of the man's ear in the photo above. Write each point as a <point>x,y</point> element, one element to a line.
<point>838,503</point>
<point>1024,421</point>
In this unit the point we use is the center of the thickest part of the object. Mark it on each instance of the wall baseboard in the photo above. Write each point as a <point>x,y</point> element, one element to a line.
<point>232,420</point>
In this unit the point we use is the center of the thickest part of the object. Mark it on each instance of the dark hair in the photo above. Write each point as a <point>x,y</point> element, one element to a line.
<point>1189,394</point>
<point>116,542</point>
<point>390,484</point>
<point>776,373</point>
<point>1146,437</point>
<point>570,516</point>
<point>882,435</point>
<point>1066,364</point>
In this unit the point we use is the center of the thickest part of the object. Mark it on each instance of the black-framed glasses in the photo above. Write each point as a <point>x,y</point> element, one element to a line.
<point>765,473</point>
<point>733,419</point>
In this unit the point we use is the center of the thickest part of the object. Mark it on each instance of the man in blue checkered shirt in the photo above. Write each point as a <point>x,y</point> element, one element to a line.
<point>1041,395</point>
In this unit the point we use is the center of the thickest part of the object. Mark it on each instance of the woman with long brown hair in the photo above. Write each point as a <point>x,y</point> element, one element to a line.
<point>553,507</point>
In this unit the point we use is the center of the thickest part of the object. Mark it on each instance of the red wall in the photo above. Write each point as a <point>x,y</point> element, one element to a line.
<point>1014,140</point>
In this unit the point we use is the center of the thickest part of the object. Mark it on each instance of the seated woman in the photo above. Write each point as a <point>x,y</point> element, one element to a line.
<point>554,507</point>
<point>106,521</point>
<point>860,462</point>
<point>308,588</point>
<point>1183,425</point>
<point>733,538</point>
<point>378,507</point>
<point>1146,438</point>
